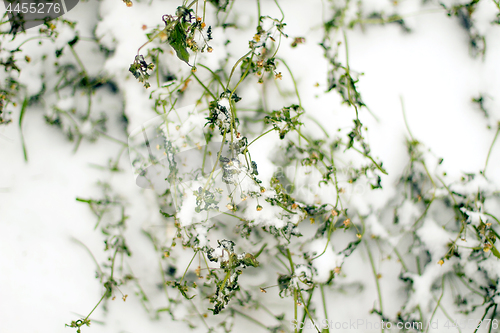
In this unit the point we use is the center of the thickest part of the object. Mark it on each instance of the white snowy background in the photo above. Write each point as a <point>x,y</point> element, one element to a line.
<point>47,279</point>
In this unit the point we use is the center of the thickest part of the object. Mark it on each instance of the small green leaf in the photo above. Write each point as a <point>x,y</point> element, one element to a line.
<point>250,260</point>
<point>177,40</point>
<point>495,251</point>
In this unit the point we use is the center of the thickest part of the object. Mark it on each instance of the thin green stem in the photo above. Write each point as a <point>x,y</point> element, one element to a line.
<point>199,314</point>
<point>372,263</point>
<point>491,148</point>
<point>32,38</point>
<point>213,74</point>
<point>95,307</point>
<point>189,265</point>
<point>400,259</point>
<point>321,288</point>
<point>493,317</point>
<point>497,3</point>
<point>204,87</point>
<point>258,11</point>
<point>234,68</point>
<point>279,7</point>
<point>78,60</point>
<point>253,320</point>
<point>306,310</point>
<point>91,254</point>
<point>257,138</point>
<point>484,315</point>
<point>437,303</point>
<point>295,313</point>
<point>293,80</point>
<point>21,117</point>
<point>404,117</point>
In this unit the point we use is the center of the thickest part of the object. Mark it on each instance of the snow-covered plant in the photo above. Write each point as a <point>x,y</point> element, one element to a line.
<point>261,199</point>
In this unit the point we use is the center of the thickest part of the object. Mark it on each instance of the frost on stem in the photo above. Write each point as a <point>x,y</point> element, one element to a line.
<point>206,200</point>
<point>231,168</point>
<point>219,116</point>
